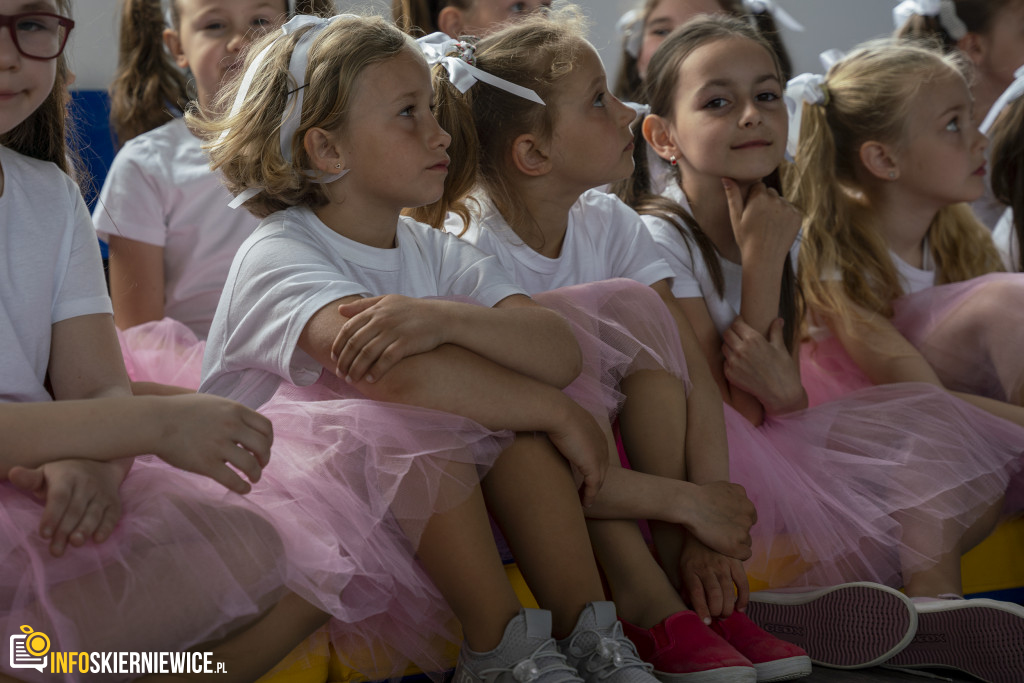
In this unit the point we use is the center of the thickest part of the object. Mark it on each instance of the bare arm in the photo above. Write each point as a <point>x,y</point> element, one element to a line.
<point>136,281</point>
<point>518,334</point>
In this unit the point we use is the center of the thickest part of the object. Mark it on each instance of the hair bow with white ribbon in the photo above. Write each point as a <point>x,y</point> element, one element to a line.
<point>771,7</point>
<point>438,48</point>
<point>809,88</point>
<point>945,10</point>
<point>631,27</point>
<point>1015,91</point>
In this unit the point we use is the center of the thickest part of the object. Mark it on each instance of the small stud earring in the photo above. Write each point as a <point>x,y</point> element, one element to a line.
<point>673,161</point>
<point>892,175</point>
<point>337,166</point>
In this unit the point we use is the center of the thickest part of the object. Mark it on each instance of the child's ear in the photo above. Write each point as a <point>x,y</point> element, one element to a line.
<point>449,20</point>
<point>529,156</point>
<point>974,46</point>
<point>879,160</point>
<point>324,151</point>
<point>659,136</point>
<point>173,42</point>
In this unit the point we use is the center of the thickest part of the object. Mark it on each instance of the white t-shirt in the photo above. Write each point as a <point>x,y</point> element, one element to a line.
<point>692,276</point>
<point>293,265</point>
<point>160,191</point>
<point>913,279</point>
<point>52,269</point>
<point>604,239</point>
<point>1005,237</point>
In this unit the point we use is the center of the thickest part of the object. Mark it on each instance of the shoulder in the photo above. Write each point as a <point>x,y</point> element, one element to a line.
<point>35,177</point>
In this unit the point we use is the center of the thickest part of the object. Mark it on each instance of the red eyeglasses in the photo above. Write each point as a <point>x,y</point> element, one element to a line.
<point>38,35</point>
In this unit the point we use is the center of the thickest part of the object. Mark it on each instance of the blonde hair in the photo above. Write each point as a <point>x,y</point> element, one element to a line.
<point>869,97</point>
<point>536,53</point>
<point>419,17</point>
<point>629,86</point>
<point>148,87</point>
<point>1007,157</point>
<point>249,154</point>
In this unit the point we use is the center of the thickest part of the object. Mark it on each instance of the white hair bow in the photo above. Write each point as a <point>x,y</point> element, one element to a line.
<point>945,10</point>
<point>809,88</point>
<point>1015,91</point>
<point>779,14</point>
<point>292,115</point>
<point>631,28</point>
<point>438,48</point>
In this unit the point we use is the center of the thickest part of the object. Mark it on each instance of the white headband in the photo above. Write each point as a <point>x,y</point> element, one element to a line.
<point>779,14</point>
<point>1015,91</point>
<point>809,88</point>
<point>945,10</point>
<point>168,13</point>
<point>437,49</point>
<point>292,116</point>
<point>631,28</point>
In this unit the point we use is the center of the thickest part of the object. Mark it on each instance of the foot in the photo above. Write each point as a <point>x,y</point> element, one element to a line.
<point>599,650</point>
<point>526,654</point>
<point>981,637</point>
<point>773,659</point>
<point>683,649</point>
<point>849,626</point>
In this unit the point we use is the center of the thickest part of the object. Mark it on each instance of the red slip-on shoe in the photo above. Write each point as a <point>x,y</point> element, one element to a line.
<point>684,650</point>
<point>773,659</point>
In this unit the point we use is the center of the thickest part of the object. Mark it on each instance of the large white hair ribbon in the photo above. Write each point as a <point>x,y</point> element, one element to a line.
<point>631,27</point>
<point>438,48</point>
<point>945,10</point>
<point>809,88</point>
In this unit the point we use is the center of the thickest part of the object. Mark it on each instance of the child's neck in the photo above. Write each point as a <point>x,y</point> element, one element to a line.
<point>903,222</point>
<point>547,207</point>
<point>361,221</point>
<point>710,208</point>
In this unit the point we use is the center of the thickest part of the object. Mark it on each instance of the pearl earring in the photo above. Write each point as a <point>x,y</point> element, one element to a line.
<point>337,166</point>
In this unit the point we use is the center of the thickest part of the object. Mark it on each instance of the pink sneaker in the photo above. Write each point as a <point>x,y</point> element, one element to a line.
<point>684,650</point>
<point>773,659</point>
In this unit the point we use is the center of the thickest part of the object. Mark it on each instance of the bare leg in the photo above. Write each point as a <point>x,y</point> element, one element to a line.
<point>533,497</point>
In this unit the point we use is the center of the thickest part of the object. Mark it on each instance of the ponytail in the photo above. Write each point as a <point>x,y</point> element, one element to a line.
<point>147,86</point>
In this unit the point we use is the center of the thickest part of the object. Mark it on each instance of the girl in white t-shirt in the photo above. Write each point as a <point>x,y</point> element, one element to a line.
<point>890,484</point>
<point>100,554</point>
<point>581,250</point>
<point>162,212</point>
<point>344,320</point>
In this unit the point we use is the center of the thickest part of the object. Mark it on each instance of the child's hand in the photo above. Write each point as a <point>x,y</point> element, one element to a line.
<point>765,225</point>
<point>203,434</point>
<point>713,584</point>
<point>725,516</point>
<point>580,440</point>
<point>763,367</point>
<point>82,500</point>
<point>383,330</point>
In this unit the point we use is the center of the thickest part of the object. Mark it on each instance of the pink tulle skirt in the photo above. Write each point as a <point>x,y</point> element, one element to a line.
<point>163,351</point>
<point>970,332</point>
<point>336,518</point>
<point>622,327</point>
<point>873,487</point>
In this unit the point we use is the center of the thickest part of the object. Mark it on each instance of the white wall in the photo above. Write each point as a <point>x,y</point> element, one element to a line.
<point>829,23</point>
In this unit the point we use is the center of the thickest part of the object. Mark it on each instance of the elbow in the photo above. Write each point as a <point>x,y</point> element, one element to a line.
<point>570,360</point>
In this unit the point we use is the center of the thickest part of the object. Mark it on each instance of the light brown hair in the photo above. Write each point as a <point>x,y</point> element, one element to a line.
<point>1007,157</point>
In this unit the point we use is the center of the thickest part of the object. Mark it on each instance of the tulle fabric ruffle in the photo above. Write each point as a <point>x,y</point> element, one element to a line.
<point>622,327</point>
<point>163,351</point>
<point>873,487</point>
<point>969,332</point>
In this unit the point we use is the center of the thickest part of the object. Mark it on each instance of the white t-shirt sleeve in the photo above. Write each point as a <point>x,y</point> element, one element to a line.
<point>679,253</point>
<point>467,271</point>
<point>81,289</point>
<point>131,203</point>
<point>1005,237</point>
<point>634,254</point>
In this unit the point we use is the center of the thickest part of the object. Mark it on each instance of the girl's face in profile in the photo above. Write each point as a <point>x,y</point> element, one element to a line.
<point>664,18</point>
<point>729,119</point>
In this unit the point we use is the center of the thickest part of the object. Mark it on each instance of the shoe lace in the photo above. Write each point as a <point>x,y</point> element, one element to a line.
<point>545,660</point>
<point>608,653</point>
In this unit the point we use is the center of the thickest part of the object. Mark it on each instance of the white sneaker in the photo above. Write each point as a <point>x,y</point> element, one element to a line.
<point>849,626</point>
<point>599,650</point>
<point>526,654</point>
<point>981,637</point>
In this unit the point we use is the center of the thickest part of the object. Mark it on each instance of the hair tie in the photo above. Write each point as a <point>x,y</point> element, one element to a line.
<point>945,10</point>
<point>167,9</point>
<point>292,115</point>
<point>809,88</point>
<point>631,27</point>
<point>438,48</point>
<point>778,14</point>
<point>1014,92</point>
